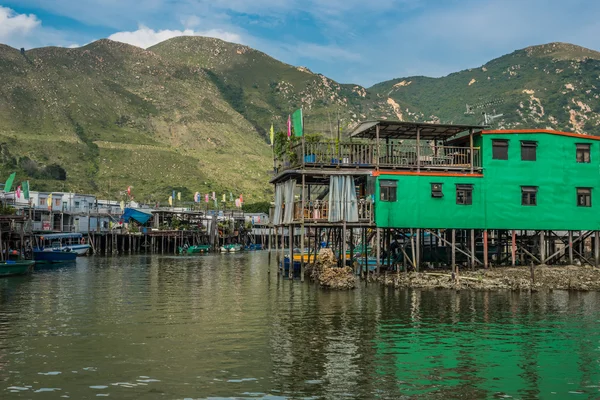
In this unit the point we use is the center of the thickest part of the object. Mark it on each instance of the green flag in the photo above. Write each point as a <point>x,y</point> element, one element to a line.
<point>298,123</point>
<point>25,189</point>
<point>9,182</point>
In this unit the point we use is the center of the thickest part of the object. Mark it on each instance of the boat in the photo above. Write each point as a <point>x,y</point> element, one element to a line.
<point>231,248</point>
<point>63,241</point>
<point>16,267</point>
<point>198,249</point>
<point>52,256</point>
<point>254,247</point>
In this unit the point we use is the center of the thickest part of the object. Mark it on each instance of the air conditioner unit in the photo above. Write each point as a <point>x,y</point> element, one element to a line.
<point>436,190</point>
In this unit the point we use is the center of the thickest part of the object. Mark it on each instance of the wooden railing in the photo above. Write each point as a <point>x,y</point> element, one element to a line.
<point>318,211</point>
<point>398,155</point>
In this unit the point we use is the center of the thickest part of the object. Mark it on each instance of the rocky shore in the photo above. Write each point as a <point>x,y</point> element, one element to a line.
<point>541,277</point>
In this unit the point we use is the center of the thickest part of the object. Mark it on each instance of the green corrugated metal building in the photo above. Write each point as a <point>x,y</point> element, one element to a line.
<point>529,179</point>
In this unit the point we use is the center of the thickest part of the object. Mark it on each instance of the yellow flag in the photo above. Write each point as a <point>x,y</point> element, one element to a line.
<point>179,196</point>
<point>49,200</point>
<point>224,198</point>
<point>170,200</point>
<point>122,205</point>
<point>272,135</point>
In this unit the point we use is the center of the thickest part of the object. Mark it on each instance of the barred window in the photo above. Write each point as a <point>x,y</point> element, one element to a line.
<point>464,194</point>
<point>387,190</point>
<point>529,195</point>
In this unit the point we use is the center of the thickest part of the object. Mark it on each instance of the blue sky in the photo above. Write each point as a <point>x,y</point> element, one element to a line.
<point>351,41</point>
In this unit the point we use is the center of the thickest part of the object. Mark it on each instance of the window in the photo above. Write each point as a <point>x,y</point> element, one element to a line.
<point>57,202</point>
<point>529,195</point>
<point>388,190</point>
<point>584,197</point>
<point>42,201</point>
<point>77,205</point>
<point>583,153</point>
<point>528,150</point>
<point>436,190</point>
<point>464,194</point>
<point>499,149</point>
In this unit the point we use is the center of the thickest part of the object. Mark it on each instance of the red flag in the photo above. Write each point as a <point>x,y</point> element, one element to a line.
<point>289,125</point>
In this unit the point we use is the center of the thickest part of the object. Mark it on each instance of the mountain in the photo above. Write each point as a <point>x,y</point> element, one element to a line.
<point>554,86</point>
<point>192,113</point>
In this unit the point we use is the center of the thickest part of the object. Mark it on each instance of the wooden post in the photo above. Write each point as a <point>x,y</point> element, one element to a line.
<point>418,249</point>
<point>378,249</point>
<point>412,248</point>
<point>570,247</point>
<point>472,249</point>
<point>302,225</point>
<point>485,248</point>
<point>513,248</point>
<point>344,242</point>
<point>418,157</point>
<point>543,247</point>
<point>377,150</point>
<point>472,159</point>
<point>453,250</point>
<point>597,248</point>
<point>291,248</point>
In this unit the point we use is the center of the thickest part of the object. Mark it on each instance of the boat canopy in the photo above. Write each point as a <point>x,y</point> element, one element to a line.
<point>51,236</point>
<point>140,216</point>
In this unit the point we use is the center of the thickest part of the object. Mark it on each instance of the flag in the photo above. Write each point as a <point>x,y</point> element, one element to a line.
<point>289,126</point>
<point>170,200</point>
<point>272,135</point>
<point>230,196</point>
<point>179,196</point>
<point>9,182</point>
<point>122,205</point>
<point>197,197</point>
<point>173,196</point>
<point>25,186</point>
<point>49,201</point>
<point>18,192</point>
<point>298,123</point>
<point>241,198</point>
<point>206,198</point>
<point>224,198</point>
<point>129,190</point>
<point>214,196</point>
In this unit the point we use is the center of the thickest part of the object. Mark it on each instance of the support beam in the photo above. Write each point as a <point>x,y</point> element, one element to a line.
<point>597,248</point>
<point>378,249</point>
<point>570,247</point>
<point>453,250</point>
<point>472,249</point>
<point>447,243</point>
<point>471,155</point>
<point>291,248</point>
<point>513,248</point>
<point>485,248</point>
<point>543,247</point>
<point>418,250</point>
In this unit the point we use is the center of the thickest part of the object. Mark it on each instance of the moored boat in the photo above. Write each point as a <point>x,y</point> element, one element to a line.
<point>198,249</point>
<point>17,267</point>
<point>52,256</point>
<point>64,241</point>
<point>231,248</point>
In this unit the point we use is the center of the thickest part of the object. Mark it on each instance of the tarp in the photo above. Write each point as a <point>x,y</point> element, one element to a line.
<point>137,215</point>
<point>343,204</point>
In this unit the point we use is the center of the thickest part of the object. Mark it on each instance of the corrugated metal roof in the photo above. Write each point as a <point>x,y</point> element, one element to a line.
<point>408,130</point>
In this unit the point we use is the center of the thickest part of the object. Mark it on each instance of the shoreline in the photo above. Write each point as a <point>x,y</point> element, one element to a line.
<point>544,277</point>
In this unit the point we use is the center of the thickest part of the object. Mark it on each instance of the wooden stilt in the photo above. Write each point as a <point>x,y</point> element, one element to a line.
<point>570,247</point>
<point>485,248</point>
<point>453,250</point>
<point>418,250</point>
<point>378,249</point>
<point>543,247</point>
<point>473,249</point>
<point>513,248</point>
<point>597,248</point>
<point>291,248</point>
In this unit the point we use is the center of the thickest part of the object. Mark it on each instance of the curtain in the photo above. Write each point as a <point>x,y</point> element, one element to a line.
<point>278,204</point>
<point>288,194</point>
<point>343,204</point>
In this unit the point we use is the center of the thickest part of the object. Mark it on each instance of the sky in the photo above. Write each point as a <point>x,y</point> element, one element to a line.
<point>350,41</point>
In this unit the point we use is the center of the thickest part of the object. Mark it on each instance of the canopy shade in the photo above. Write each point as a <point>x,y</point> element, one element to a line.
<point>408,130</point>
<point>137,215</point>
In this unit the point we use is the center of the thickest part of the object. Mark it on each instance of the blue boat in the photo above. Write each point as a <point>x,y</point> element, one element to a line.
<point>52,256</point>
<point>64,241</point>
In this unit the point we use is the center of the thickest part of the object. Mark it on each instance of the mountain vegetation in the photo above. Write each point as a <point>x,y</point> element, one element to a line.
<point>192,114</point>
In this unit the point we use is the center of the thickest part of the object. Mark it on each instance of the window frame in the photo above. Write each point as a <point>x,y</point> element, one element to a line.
<point>499,143</point>
<point>587,195</point>
<point>437,193</point>
<point>529,190</point>
<point>529,144</point>
<point>584,148</point>
<point>467,196</point>
<point>388,190</point>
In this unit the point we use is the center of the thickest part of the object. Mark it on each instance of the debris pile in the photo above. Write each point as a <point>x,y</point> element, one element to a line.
<point>541,277</point>
<point>326,272</point>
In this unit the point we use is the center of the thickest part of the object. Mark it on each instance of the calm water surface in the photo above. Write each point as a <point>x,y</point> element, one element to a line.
<point>219,326</point>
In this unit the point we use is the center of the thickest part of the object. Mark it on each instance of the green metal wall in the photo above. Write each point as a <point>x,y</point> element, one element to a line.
<point>497,195</point>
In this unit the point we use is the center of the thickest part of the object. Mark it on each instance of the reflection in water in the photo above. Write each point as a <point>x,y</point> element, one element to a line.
<point>219,326</point>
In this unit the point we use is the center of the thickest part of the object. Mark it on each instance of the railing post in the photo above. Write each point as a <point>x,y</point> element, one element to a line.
<point>471,158</point>
<point>418,148</point>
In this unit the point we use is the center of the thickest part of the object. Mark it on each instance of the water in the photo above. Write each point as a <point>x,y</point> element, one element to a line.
<point>218,326</point>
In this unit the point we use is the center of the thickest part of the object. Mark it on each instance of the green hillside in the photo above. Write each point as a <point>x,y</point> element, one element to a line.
<point>192,113</point>
<point>552,86</point>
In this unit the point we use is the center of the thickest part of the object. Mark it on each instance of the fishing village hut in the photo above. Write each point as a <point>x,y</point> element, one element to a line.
<point>401,195</point>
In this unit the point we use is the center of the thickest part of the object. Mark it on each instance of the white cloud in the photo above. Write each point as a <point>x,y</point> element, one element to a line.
<point>14,26</point>
<point>145,37</point>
